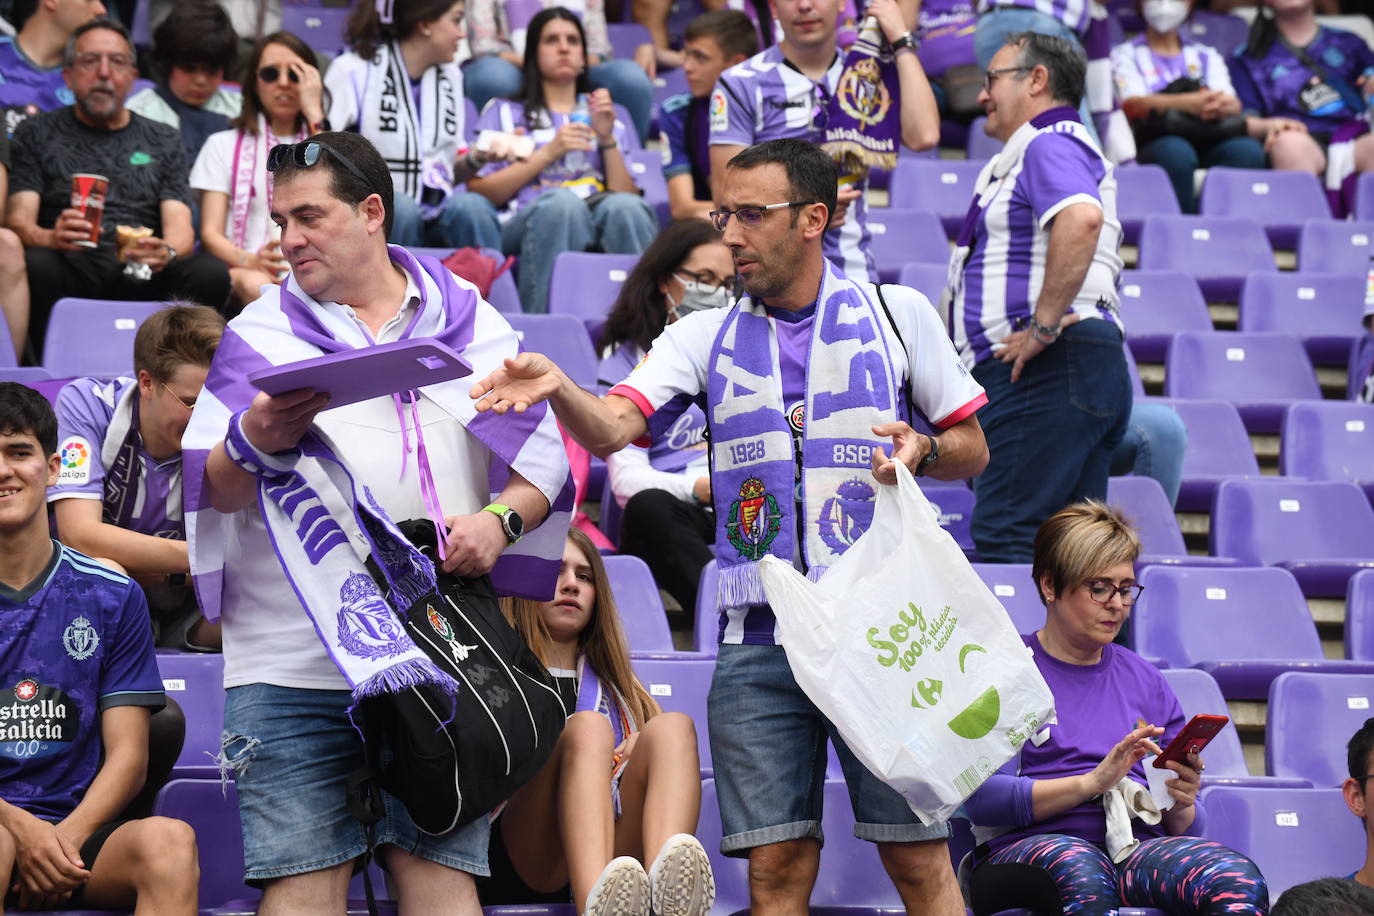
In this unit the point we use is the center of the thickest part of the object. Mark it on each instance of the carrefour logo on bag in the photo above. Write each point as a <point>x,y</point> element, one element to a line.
<point>75,455</point>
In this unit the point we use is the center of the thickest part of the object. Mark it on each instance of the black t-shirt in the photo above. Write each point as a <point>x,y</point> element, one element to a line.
<point>144,161</point>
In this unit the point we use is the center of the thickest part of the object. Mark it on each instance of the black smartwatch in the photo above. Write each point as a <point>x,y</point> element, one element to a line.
<point>511,522</point>
<point>931,457</point>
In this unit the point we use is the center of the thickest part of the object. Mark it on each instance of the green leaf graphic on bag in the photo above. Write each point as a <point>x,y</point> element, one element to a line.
<point>979,717</point>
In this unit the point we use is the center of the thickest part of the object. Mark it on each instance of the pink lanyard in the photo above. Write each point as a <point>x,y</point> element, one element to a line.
<point>428,492</point>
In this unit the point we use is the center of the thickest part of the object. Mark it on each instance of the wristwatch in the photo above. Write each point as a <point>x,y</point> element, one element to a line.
<point>931,457</point>
<point>171,253</point>
<point>908,41</point>
<point>511,522</point>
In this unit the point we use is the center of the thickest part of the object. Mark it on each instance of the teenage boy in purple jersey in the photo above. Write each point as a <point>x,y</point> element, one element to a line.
<point>80,679</point>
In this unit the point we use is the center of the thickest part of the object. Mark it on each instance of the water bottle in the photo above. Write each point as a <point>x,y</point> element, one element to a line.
<point>576,160</point>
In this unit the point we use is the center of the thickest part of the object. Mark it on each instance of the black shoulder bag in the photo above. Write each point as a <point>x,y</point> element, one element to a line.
<point>1190,127</point>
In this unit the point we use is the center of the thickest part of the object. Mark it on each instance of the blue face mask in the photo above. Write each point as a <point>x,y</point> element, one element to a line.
<point>697,296</point>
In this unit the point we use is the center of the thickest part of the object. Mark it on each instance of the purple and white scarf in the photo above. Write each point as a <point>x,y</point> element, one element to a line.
<point>249,179</point>
<point>851,386</point>
<point>327,573</point>
<point>593,695</point>
<point>864,120</point>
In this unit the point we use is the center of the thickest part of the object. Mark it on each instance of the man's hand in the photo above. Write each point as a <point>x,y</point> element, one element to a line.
<point>520,383</point>
<point>474,544</point>
<point>48,862</point>
<point>908,447</point>
<point>69,229</point>
<point>1020,347</point>
<point>276,423</point>
<point>152,251</point>
<point>890,18</point>
<point>846,195</point>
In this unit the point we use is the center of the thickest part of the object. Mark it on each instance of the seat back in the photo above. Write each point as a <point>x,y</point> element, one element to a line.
<point>901,236</point>
<point>7,357</point>
<point>196,681</point>
<point>646,168</point>
<point>680,685</point>
<point>1280,200</point>
<point>637,600</point>
<point>954,511</point>
<point>1280,520</point>
<point>1239,367</point>
<point>1188,615</point>
<point>503,295</point>
<point>563,338</point>
<point>1310,716</point>
<point>980,145</point>
<point>1014,587</point>
<point>1140,191</point>
<point>1219,251</point>
<point>212,810</point>
<point>1220,30</point>
<point>585,284</point>
<point>1359,616</point>
<point>93,337</point>
<point>707,624</point>
<point>1306,305</point>
<point>1145,504</point>
<point>626,37</point>
<point>1218,447</point>
<point>1198,694</point>
<point>943,186</point>
<point>1335,246</point>
<point>321,27</point>
<point>1155,305</point>
<point>928,279</point>
<point>1364,196</point>
<point>1328,440</point>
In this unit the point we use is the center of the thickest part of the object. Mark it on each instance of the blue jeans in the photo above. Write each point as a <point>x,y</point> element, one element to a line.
<point>1000,23</point>
<point>768,750</point>
<point>1179,158</point>
<point>1154,445</point>
<point>1050,436</point>
<point>491,77</point>
<point>455,227</point>
<point>558,221</point>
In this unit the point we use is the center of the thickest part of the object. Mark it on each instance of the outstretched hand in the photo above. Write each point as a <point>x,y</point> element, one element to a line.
<point>520,383</point>
<point>908,447</point>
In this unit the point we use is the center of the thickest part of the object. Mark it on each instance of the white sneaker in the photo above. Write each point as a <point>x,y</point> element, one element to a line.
<point>680,881</point>
<point>622,890</point>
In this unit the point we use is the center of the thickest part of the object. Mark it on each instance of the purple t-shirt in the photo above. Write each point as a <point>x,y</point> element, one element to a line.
<point>1270,86</point>
<point>946,29</point>
<point>76,641</point>
<point>103,458</point>
<point>1096,706</point>
<point>22,82</point>
<point>685,136</point>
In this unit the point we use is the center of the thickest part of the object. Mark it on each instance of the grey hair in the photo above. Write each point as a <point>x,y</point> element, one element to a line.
<point>100,22</point>
<point>1064,61</point>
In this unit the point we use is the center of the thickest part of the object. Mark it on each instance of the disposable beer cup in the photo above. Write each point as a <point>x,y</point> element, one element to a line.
<point>88,197</point>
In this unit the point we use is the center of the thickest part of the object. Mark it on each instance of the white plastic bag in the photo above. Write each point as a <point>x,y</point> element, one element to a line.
<point>905,650</point>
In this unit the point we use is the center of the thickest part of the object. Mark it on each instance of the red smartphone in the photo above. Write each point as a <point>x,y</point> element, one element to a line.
<point>1194,737</point>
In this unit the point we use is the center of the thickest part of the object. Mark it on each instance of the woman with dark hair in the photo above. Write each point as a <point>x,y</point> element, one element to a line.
<point>193,49</point>
<point>574,190</point>
<point>282,103</point>
<point>398,86</point>
<point>665,489</point>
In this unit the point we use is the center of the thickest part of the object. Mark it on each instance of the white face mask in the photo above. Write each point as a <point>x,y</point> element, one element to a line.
<point>1165,15</point>
<point>697,296</point>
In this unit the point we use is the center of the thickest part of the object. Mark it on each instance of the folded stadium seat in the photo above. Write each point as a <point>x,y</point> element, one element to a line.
<point>503,296</point>
<point>639,604</point>
<point>24,375</point>
<point>1147,507</point>
<point>1281,200</point>
<point>954,511</point>
<point>1364,196</point>
<point>646,168</point>
<point>1014,587</point>
<point>1335,247</point>
<point>196,681</point>
<point>927,279</point>
<point>319,26</point>
<point>1220,30</point>
<point>470,114</point>
<point>564,339</point>
<point>585,285</point>
<point>901,236</point>
<point>1199,694</point>
<point>1220,251</point>
<point>1359,616</point>
<point>1293,835</point>
<point>1155,305</point>
<point>1142,190</point>
<point>943,186</point>
<point>1260,373</point>
<point>93,337</point>
<point>1320,531</point>
<point>1137,385</point>
<point>1245,627</point>
<point>1309,719</point>
<point>1329,440</point>
<point>1321,310</point>
<point>1218,448</point>
<point>707,617</point>
<point>626,37</point>
<point>980,145</point>
<point>681,685</point>
<point>212,811</point>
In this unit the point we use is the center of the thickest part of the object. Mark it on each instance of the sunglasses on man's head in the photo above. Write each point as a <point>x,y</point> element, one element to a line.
<point>306,154</point>
<point>272,73</point>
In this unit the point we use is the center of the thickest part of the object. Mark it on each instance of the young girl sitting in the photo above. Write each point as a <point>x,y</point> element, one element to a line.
<point>623,785</point>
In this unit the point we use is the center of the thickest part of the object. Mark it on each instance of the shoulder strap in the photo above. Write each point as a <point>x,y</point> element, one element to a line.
<point>910,369</point>
<point>1348,95</point>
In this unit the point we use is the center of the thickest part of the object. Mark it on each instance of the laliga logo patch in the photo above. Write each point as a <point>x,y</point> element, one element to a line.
<point>75,454</point>
<point>720,117</point>
<point>80,639</point>
<point>862,94</point>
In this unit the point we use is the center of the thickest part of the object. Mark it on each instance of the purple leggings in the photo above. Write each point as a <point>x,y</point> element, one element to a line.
<point>1180,874</point>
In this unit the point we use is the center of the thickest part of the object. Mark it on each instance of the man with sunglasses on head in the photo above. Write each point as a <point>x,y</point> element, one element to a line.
<point>145,163</point>
<point>280,539</point>
<point>797,482</point>
<point>118,497</point>
<point>787,90</point>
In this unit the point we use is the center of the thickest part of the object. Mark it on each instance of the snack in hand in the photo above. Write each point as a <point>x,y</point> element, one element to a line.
<point>127,237</point>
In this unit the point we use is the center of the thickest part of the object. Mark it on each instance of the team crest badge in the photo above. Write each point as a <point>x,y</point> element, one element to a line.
<point>862,94</point>
<point>755,520</point>
<point>367,626</point>
<point>846,515</point>
<point>80,639</point>
<point>439,625</point>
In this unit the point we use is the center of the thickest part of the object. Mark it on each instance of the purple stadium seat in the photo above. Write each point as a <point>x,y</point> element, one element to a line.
<point>626,37</point>
<point>470,114</point>
<point>503,296</point>
<point>928,279</point>
<point>1220,251</point>
<point>1364,197</point>
<point>707,618</point>
<point>646,168</point>
<point>1014,587</point>
<point>24,375</point>
<point>1261,374</point>
<point>980,145</point>
<point>943,186</point>
<point>1220,30</point>
<point>681,685</point>
<point>7,359</point>
<point>1321,310</point>
<point>213,812</point>
<point>93,336</point>
<point>1329,440</point>
<point>1145,504</point>
<point>1320,531</point>
<point>1198,694</point>
<point>1245,627</point>
<point>1359,616</point>
<point>639,604</point>
<point>1335,247</point>
<point>196,681</point>
<point>954,511</point>
<point>562,337</point>
<point>1294,835</point>
<point>1137,386</point>
<point>321,27</point>
<point>1310,716</point>
<point>1281,200</point>
<point>608,521</point>
<point>1218,448</point>
<point>901,236</point>
<point>1140,191</point>
<point>1155,305</point>
<point>586,283</point>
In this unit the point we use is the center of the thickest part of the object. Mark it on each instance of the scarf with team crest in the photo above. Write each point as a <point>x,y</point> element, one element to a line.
<point>864,119</point>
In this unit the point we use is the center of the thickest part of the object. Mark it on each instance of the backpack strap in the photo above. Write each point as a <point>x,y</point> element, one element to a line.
<point>364,796</point>
<point>910,369</point>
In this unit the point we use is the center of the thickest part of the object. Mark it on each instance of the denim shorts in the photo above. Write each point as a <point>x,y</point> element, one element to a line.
<point>768,749</point>
<point>291,751</point>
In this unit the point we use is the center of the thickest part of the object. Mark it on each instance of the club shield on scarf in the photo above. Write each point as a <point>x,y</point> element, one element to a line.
<point>864,120</point>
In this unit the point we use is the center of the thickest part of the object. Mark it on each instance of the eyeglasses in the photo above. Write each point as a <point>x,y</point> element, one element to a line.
<point>188,403</point>
<point>270,74</point>
<point>306,154</point>
<point>752,217</point>
<point>91,61</point>
<point>705,277</point>
<point>990,75</point>
<point>1102,590</point>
